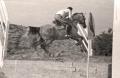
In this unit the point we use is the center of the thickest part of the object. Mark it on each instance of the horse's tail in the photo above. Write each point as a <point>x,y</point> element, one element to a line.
<point>40,35</point>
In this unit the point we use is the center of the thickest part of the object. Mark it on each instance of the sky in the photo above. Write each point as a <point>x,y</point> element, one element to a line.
<point>41,12</point>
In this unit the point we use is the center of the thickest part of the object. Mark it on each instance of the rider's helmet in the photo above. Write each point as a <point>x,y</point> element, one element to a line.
<point>70,8</point>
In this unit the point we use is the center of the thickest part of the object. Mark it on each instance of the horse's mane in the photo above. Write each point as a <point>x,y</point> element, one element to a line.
<point>47,26</point>
<point>77,13</point>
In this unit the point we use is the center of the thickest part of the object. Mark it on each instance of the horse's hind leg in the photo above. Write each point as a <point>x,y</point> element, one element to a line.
<point>45,48</point>
<point>34,44</point>
<point>49,42</point>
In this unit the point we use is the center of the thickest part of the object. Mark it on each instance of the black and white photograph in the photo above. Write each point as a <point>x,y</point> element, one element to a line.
<point>56,38</point>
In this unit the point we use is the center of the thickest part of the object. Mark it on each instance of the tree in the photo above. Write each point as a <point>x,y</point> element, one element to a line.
<point>102,44</point>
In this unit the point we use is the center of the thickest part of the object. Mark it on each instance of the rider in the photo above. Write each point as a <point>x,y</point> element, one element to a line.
<point>62,16</point>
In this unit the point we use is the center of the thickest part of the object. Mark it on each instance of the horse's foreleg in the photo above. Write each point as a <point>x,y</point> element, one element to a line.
<point>78,40</point>
<point>44,48</point>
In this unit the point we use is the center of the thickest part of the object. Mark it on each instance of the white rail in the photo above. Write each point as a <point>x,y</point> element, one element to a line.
<point>84,32</point>
<point>87,43</point>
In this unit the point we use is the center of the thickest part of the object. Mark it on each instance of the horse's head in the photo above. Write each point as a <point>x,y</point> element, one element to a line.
<point>79,18</point>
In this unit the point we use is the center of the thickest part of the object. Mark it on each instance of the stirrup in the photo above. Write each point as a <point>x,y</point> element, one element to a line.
<point>68,36</point>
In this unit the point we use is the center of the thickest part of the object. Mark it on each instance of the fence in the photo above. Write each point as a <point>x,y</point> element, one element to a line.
<point>88,34</point>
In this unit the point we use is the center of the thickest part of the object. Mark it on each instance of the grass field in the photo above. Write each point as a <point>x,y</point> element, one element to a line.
<point>52,69</point>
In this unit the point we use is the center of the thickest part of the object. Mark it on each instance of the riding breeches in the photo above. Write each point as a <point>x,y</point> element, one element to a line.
<point>60,19</point>
<point>64,22</point>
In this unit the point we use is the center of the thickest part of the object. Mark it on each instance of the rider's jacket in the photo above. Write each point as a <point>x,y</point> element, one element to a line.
<point>66,13</point>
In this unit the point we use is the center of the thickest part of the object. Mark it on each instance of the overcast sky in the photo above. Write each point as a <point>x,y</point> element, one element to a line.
<point>40,12</point>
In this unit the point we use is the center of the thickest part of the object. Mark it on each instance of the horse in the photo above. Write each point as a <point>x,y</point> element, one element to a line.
<point>49,33</point>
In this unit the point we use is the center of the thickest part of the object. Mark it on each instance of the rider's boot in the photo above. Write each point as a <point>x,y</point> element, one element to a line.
<point>67,35</point>
<point>68,29</point>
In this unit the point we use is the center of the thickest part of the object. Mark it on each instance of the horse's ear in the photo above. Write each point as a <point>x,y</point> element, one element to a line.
<point>29,26</point>
<point>84,13</point>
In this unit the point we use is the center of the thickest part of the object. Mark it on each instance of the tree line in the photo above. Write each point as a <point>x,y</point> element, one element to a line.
<point>102,43</point>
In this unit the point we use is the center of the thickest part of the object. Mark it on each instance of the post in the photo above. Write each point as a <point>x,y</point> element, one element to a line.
<point>4,31</point>
<point>116,41</point>
<point>88,57</point>
<point>84,33</point>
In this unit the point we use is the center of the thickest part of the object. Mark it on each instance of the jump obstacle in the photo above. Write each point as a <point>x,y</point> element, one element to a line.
<point>88,35</point>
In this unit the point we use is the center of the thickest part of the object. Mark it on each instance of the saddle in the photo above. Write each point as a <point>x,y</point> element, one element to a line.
<point>59,25</point>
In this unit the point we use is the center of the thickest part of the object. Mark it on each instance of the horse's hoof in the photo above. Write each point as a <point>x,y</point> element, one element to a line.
<point>46,55</point>
<point>50,55</point>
